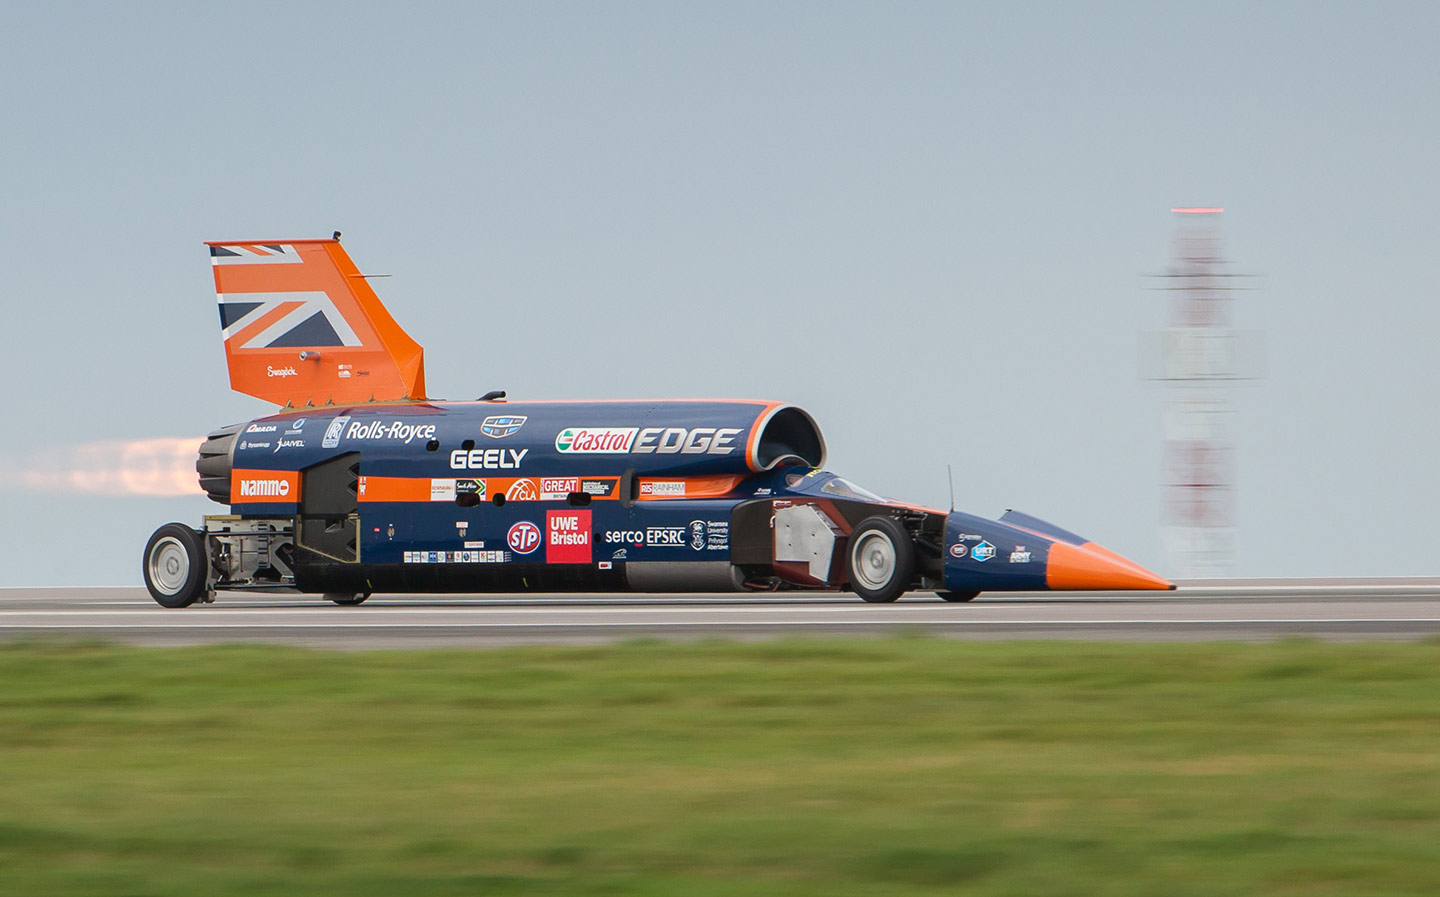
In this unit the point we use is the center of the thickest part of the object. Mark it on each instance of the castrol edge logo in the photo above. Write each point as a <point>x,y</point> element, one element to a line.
<point>595,440</point>
<point>264,485</point>
<point>647,440</point>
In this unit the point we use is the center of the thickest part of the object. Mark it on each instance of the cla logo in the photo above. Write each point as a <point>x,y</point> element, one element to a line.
<point>983,552</point>
<point>501,425</point>
<point>522,490</point>
<point>523,538</point>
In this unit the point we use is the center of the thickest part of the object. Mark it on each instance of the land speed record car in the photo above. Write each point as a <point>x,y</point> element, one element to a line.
<point>359,483</point>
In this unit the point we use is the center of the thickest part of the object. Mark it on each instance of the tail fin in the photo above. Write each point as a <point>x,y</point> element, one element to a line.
<point>302,327</point>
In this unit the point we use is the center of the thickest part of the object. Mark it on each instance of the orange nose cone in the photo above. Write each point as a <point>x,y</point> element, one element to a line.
<point>1088,566</point>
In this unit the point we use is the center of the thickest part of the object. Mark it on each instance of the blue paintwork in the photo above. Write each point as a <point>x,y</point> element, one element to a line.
<point>487,440</point>
<point>986,555</point>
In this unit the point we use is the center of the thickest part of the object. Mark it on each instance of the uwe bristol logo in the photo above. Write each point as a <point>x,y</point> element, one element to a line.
<point>524,537</point>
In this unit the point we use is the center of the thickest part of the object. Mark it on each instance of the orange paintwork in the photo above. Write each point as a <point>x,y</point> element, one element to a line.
<point>248,486</point>
<point>753,445</point>
<point>394,489</point>
<point>689,487</point>
<point>386,366</point>
<point>1089,567</point>
<point>412,489</point>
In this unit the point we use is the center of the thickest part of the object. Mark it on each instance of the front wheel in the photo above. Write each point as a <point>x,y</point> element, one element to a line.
<point>347,599</point>
<point>175,565</point>
<point>881,559</point>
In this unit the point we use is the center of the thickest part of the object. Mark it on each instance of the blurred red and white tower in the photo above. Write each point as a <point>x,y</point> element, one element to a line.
<point>1201,358</point>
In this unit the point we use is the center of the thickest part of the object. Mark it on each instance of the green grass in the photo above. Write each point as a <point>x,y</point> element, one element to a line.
<point>900,766</point>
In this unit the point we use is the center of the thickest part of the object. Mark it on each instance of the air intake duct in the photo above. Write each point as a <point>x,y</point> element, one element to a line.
<point>216,460</point>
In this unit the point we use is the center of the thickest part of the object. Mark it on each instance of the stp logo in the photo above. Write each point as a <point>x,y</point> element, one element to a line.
<point>524,537</point>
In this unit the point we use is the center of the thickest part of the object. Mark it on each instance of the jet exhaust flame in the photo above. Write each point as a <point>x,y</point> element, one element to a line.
<point>159,467</point>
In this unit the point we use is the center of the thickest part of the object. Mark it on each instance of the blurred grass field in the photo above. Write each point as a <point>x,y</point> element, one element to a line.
<point>888,766</point>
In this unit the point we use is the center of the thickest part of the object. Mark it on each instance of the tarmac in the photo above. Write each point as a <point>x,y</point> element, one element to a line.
<point>1232,610</point>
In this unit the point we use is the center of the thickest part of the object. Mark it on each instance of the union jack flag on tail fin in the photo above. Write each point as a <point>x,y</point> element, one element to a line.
<point>302,327</point>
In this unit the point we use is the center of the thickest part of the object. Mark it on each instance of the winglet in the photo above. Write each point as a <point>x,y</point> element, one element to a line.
<point>302,327</point>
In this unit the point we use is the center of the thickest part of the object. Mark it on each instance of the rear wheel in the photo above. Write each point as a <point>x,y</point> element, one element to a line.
<point>175,565</point>
<point>957,597</point>
<point>881,559</point>
<point>347,599</point>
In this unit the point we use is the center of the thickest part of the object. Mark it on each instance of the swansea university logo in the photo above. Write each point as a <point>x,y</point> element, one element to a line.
<point>501,425</point>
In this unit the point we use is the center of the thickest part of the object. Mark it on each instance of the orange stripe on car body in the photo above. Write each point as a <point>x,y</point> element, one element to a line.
<point>691,487</point>
<point>270,486</point>
<point>394,489</point>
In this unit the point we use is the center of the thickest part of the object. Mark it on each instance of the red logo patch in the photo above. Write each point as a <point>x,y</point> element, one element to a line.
<point>569,537</point>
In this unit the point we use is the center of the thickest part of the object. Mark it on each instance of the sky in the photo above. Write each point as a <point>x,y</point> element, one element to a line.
<point>933,226</point>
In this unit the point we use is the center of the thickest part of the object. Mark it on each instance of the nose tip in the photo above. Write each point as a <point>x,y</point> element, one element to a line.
<point>1090,567</point>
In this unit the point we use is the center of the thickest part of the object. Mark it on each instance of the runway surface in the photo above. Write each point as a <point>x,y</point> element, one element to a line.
<point>1361,609</point>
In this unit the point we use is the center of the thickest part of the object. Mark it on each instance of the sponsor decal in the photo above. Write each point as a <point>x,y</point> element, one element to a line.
<point>678,440</point>
<point>1019,555</point>
<point>487,459</point>
<point>467,487</point>
<point>605,565</point>
<point>264,486</point>
<point>522,490</point>
<point>717,535</point>
<point>983,552</point>
<point>960,549</point>
<point>344,371</point>
<point>665,536</point>
<point>261,428</point>
<point>332,432</point>
<point>255,487</point>
<point>648,440</point>
<point>395,431</point>
<point>595,440</point>
<point>501,425</point>
<point>442,490</point>
<point>650,537</point>
<point>524,537</point>
<point>619,554</point>
<point>697,535</point>
<point>254,445</point>
<point>296,426</point>
<point>480,544</point>
<point>763,490</point>
<point>286,371</point>
<point>663,487</point>
<point>288,443</point>
<point>457,557</point>
<point>598,488</point>
<point>568,539</point>
<point>558,488</point>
